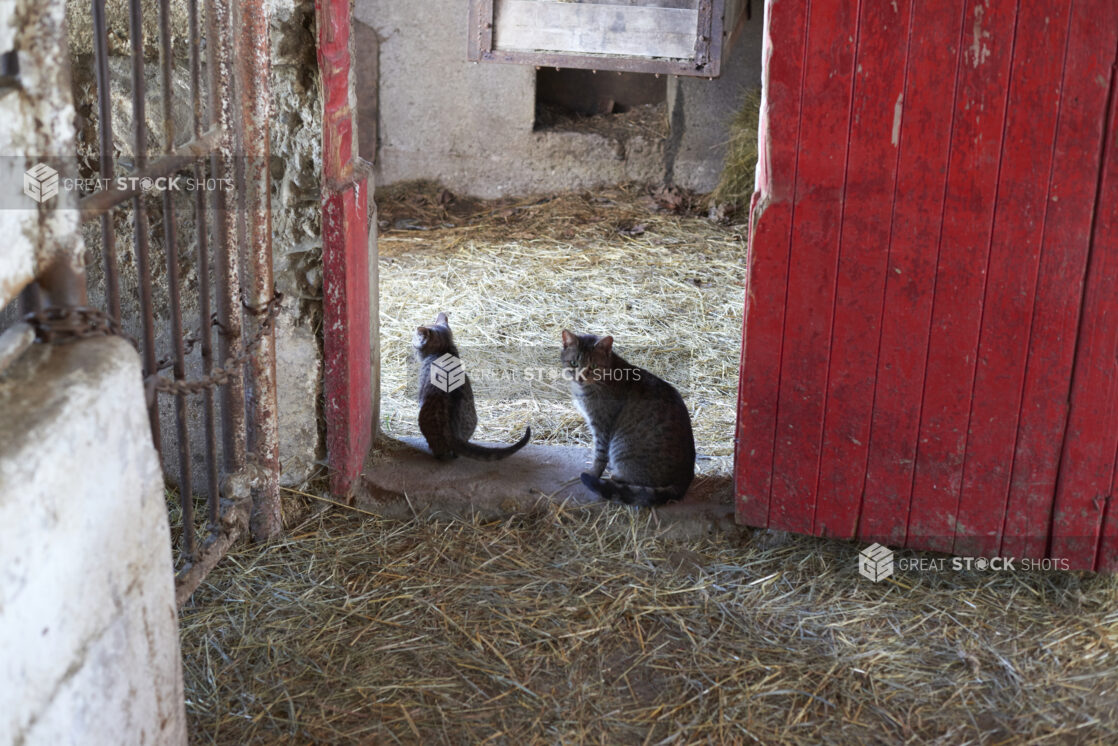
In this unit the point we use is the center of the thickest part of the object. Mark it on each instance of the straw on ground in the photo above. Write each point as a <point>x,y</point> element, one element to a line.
<point>587,626</point>
<point>513,274</point>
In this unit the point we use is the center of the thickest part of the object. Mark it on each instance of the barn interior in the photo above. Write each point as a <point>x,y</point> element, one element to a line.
<point>499,602</point>
<point>584,205</point>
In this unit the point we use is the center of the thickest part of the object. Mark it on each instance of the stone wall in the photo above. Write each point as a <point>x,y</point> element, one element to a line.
<point>296,214</point>
<point>297,236</point>
<point>470,125</point>
<point>36,123</point>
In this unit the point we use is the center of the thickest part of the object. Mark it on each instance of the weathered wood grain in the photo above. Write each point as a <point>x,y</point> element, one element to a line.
<point>580,28</point>
<point>866,234</point>
<point>923,138</point>
<point>824,132</point>
<point>767,260</point>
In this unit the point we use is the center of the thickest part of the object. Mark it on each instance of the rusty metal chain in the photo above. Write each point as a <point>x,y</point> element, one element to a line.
<point>58,325</point>
<point>63,325</point>
<point>232,366</point>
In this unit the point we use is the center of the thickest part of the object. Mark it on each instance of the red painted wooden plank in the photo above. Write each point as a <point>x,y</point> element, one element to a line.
<point>1071,200</point>
<point>820,182</point>
<point>769,236</point>
<point>933,57</point>
<point>1104,246</point>
<point>866,229</point>
<point>1030,133</point>
<point>332,18</point>
<point>1088,462</point>
<point>960,274</point>
<point>345,258</point>
<point>345,287</point>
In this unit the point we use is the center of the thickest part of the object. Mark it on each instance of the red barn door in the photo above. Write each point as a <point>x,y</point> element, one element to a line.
<point>930,352</point>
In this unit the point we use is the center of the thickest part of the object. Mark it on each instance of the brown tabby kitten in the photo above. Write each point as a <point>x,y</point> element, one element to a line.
<point>447,419</point>
<point>641,427</point>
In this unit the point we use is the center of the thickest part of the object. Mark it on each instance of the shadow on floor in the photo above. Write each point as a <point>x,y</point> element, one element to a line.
<point>402,478</point>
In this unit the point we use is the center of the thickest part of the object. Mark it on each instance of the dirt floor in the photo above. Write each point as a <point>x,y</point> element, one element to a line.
<point>649,269</point>
<point>596,624</point>
<point>588,626</point>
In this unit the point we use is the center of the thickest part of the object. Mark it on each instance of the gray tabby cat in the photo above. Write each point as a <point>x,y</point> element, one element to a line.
<point>447,419</point>
<point>641,427</point>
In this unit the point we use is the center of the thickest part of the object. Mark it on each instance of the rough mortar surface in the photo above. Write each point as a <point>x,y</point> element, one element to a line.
<point>36,122</point>
<point>296,148</point>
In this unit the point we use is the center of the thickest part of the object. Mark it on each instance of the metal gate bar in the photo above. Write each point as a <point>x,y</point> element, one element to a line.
<point>230,99</point>
<point>253,69</point>
<point>199,116</point>
<point>170,248</point>
<point>140,216</point>
<point>105,140</point>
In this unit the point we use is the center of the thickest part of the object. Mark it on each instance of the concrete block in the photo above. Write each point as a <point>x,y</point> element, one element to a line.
<point>298,383</point>
<point>88,627</point>
<point>405,478</point>
<point>708,107</point>
<point>470,125</point>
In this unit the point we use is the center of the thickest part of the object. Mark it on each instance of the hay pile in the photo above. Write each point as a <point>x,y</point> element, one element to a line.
<point>585,626</point>
<point>735,187</point>
<point>512,274</point>
<point>649,121</point>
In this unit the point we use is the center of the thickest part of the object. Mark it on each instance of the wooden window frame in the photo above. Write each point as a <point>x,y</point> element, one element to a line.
<point>706,61</point>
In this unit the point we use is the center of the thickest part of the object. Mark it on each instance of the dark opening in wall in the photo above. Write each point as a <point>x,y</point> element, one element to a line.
<point>582,99</point>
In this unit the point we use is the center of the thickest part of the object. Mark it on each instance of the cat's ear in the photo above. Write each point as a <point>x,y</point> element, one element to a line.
<point>605,344</point>
<point>569,339</point>
<point>442,319</point>
<point>422,331</point>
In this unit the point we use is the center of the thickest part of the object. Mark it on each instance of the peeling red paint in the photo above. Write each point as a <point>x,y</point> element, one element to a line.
<point>917,317</point>
<point>345,258</point>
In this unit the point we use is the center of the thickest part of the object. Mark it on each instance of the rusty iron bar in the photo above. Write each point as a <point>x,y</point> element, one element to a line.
<point>200,122</point>
<point>219,35</point>
<point>253,68</point>
<point>143,258</point>
<point>105,138</point>
<point>215,546</point>
<point>170,248</point>
<point>184,156</point>
<point>234,525</point>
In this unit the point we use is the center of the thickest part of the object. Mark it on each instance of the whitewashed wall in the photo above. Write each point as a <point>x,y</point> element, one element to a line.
<point>36,122</point>
<point>89,649</point>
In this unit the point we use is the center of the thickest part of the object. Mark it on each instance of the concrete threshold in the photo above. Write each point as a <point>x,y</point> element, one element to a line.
<point>403,479</point>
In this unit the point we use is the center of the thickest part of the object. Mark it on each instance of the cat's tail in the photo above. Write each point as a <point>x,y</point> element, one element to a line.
<point>489,453</point>
<point>632,494</point>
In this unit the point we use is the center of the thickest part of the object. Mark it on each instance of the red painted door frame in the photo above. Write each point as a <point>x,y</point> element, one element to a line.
<point>345,256</point>
<point>933,277</point>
